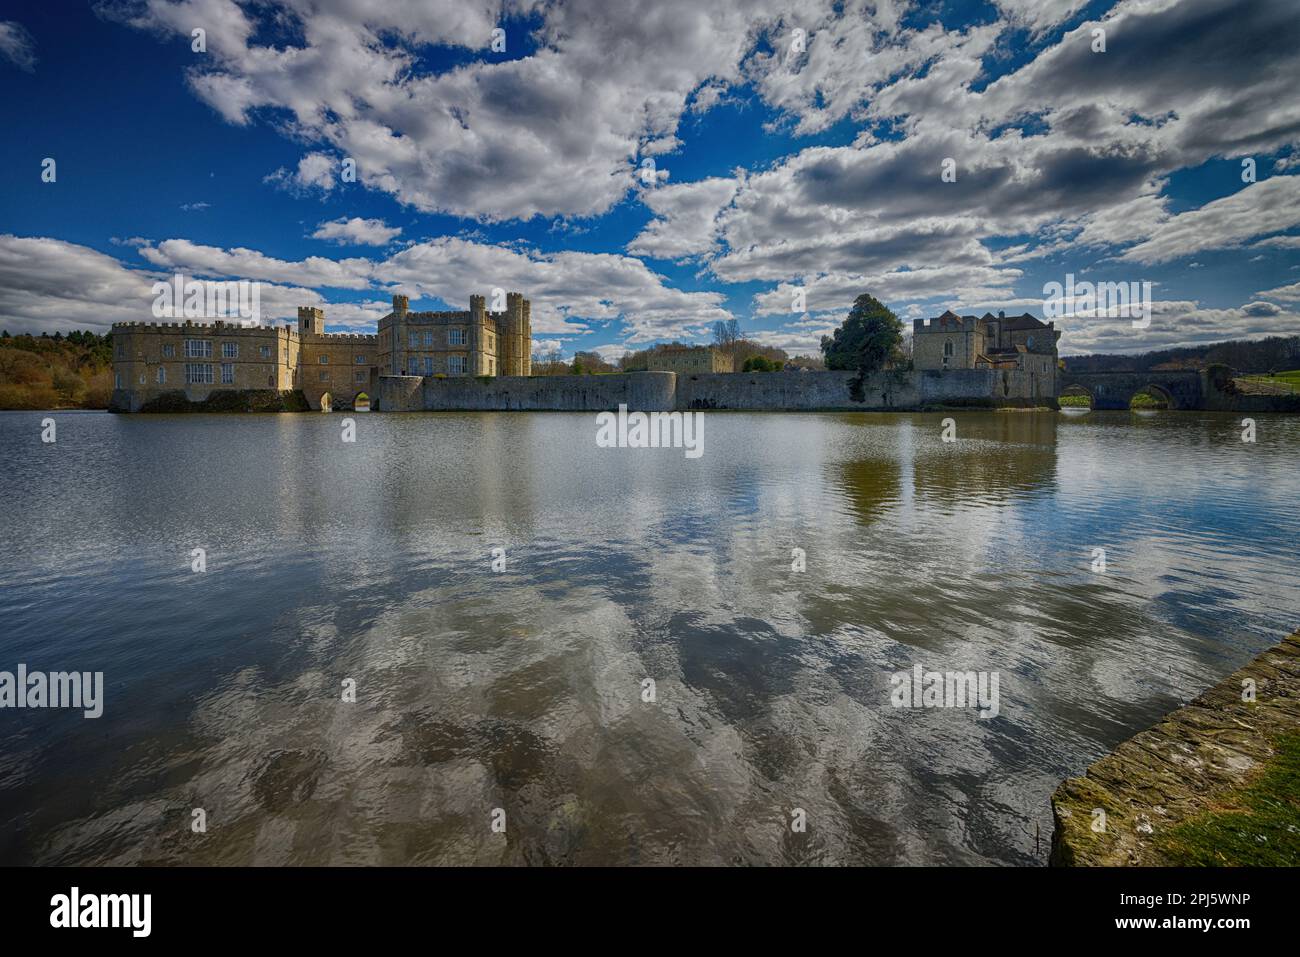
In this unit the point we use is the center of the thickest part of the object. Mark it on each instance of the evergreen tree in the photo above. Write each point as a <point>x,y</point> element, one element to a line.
<point>870,338</point>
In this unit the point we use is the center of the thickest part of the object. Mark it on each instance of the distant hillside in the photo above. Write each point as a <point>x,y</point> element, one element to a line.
<point>1276,353</point>
<point>56,372</point>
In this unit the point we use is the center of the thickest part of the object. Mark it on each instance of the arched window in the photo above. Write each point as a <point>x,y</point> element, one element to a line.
<point>947,348</point>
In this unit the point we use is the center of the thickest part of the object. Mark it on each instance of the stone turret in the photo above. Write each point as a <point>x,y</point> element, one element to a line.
<point>401,305</point>
<point>311,321</point>
<point>477,319</point>
<point>527,363</point>
<point>474,343</point>
<point>513,338</point>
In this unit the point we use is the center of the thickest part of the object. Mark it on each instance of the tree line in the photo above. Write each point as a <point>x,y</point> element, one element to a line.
<point>746,355</point>
<point>1274,354</point>
<point>73,371</point>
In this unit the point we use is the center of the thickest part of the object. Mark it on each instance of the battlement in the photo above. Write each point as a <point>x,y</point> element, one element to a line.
<point>948,322</point>
<point>430,316</point>
<point>342,337</point>
<point>225,328</point>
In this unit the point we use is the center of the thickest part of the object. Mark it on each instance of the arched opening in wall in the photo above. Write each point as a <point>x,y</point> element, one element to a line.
<point>1151,398</point>
<point>1075,398</point>
<point>327,403</point>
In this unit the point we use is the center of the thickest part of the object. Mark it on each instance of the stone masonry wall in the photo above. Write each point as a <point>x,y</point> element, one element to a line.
<point>795,391</point>
<point>664,391</point>
<point>644,391</point>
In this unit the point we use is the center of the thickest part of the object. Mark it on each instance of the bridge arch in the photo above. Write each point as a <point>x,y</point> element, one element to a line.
<point>1181,389</point>
<point>1159,391</point>
<point>1075,391</point>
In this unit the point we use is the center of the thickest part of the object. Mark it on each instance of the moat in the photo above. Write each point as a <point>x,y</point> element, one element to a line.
<point>522,689</point>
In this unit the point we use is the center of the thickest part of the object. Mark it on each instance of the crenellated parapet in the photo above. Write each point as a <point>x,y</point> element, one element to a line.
<point>948,322</point>
<point>430,317</point>
<point>358,337</point>
<point>225,328</point>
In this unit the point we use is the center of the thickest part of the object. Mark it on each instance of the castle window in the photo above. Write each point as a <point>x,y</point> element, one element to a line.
<point>456,337</point>
<point>413,340</point>
<point>265,351</point>
<point>428,338</point>
<point>947,348</point>
<point>360,377</point>
<point>286,353</point>
<point>428,365</point>
<point>324,376</point>
<point>230,350</point>
<point>1029,343</point>
<point>169,350</point>
<point>227,373</point>
<point>492,367</point>
<point>121,351</point>
<point>117,380</point>
<point>412,365</point>
<point>198,373</point>
<point>456,365</point>
<point>162,375</point>
<point>359,360</point>
<point>324,360</point>
<point>198,349</point>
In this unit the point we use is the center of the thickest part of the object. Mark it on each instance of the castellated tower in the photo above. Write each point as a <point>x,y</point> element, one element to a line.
<point>513,338</point>
<point>477,320</point>
<point>528,339</point>
<point>401,305</point>
<point>311,321</point>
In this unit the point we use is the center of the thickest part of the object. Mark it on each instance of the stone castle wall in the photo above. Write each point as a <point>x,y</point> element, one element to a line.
<point>666,391</point>
<point>930,335</point>
<point>151,359</point>
<point>644,391</point>
<point>342,365</point>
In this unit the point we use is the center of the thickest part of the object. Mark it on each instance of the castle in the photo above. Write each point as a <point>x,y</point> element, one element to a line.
<point>687,359</point>
<point>476,342</point>
<point>200,358</point>
<point>1017,343</point>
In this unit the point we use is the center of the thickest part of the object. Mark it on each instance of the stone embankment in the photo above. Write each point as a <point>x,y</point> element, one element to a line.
<point>1171,793</point>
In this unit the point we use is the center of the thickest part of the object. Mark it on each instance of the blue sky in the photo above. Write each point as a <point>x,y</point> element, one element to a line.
<point>783,161</point>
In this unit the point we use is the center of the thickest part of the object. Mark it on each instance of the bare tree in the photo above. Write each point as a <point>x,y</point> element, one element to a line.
<point>726,333</point>
<point>550,363</point>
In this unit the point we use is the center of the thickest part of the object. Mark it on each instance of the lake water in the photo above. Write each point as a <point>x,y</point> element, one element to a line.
<point>522,689</point>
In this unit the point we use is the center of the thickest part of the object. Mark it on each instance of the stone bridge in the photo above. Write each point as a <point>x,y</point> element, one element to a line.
<point>1114,390</point>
